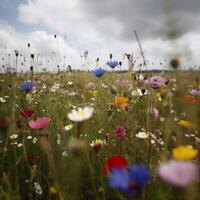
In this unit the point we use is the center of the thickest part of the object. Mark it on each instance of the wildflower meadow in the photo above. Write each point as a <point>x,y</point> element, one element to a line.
<point>99,100</point>
<point>100,135</point>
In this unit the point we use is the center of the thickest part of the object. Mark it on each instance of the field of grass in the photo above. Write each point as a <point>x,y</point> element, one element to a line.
<point>63,160</point>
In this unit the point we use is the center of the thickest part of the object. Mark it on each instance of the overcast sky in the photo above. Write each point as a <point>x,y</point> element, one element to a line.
<point>101,27</point>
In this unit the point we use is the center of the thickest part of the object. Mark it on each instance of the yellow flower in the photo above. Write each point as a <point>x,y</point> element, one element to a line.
<point>185,124</point>
<point>52,190</point>
<point>158,95</point>
<point>94,92</point>
<point>184,153</point>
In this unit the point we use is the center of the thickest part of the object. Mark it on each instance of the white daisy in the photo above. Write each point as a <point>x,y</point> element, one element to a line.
<point>139,92</point>
<point>81,114</point>
<point>142,135</point>
<point>14,136</point>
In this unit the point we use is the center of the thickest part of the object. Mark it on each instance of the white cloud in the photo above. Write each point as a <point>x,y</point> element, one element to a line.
<point>94,29</point>
<point>99,35</point>
<point>41,43</point>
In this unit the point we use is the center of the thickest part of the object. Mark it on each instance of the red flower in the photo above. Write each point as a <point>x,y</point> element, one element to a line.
<point>30,159</point>
<point>27,112</point>
<point>114,162</point>
<point>190,100</point>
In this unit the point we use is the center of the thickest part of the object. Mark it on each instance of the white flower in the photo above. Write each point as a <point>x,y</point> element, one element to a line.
<point>34,140</point>
<point>72,94</point>
<point>65,154</point>
<point>20,145</point>
<point>162,119</point>
<point>81,114</point>
<point>29,98</point>
<point>104,86</point>
<point>139,92</point>
<point>38,188</point>
<point>2,100</point>
<point>29,137</point>
<point>142,135</point>
<point>68,127</point>
<point>14,136</point>
<point>70,83</point>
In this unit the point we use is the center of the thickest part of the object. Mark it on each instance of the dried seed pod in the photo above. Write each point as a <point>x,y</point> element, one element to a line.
<point>174,63</point>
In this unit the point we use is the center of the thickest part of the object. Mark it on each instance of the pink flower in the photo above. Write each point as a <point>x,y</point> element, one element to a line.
<point>91,85</point>
<point>178,173</point>
<point>153,112</point>
<point>195,92</point>
<point>120,132</point>
<point>156,81</point>
<point>120,82</point>
<point>39,123</point>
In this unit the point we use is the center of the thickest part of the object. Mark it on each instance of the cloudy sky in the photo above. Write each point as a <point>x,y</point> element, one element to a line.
<point>166,29</point>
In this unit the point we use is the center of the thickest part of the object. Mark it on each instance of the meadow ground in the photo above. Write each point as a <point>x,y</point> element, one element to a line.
<point>130,142</point>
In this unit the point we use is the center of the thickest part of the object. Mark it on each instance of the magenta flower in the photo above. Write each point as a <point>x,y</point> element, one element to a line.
<point>195,92</point>
<point>120,132</point>
<point>153,112</point>
<point>178,173</point>
<point>39,123</point>
<point>156,81</point>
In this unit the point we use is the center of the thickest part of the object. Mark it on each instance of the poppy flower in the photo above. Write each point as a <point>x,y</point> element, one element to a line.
<point>156,82</point>
<point>190,100</point>
<point>27,86</point>
<point>112,64</point>
<point>184,152</point>
<point>121,101</point>
<point>39,123</point>
<point>131,180</point>
<point>27,112</point>
<point>178,173</point>
<point>114,162</point>
<point>99,72</point>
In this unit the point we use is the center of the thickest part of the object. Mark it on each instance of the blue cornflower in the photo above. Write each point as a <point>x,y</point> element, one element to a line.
<point>99,72</point>
<point>27,86</point>
<point>130,181</point>
<point>112,64</point>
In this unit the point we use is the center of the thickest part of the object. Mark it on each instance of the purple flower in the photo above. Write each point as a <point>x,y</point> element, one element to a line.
<point>131,180</point>
<point>195,92</point>
<point>120,131</point>
<point>153,112</point>
<point>178,173</point>
<point>112,64</point>
<point>156,81</point>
